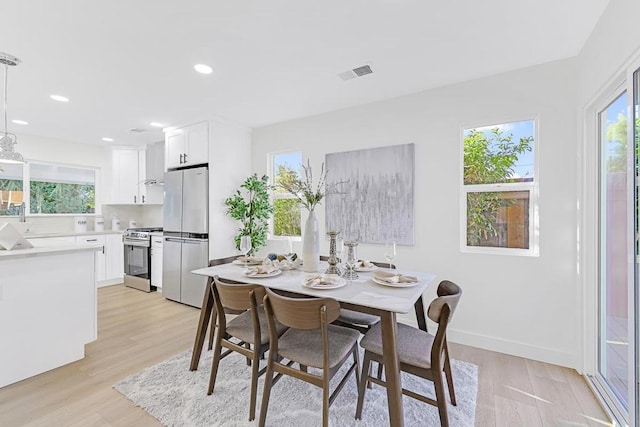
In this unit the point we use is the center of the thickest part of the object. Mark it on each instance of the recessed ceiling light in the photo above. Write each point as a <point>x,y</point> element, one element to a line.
<point>107,139</point>
<point>20,122</point>
<point>202,68</point>
<point>157,125</point>
<point>59,98</point>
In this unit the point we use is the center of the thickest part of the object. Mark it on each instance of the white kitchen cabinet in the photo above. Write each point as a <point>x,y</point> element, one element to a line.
<point>114,259</point>
<point>187,146</point>
<point>129,178</point>
<point>125,177</point>
<point>109,261</point>
<point>156,261</point>
<point>96,239</point>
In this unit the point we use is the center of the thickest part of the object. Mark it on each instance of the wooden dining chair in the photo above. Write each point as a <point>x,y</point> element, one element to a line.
<point>246,333</point>
<point>420,353</point>
<point>212,323</point>
<point>310,341</point>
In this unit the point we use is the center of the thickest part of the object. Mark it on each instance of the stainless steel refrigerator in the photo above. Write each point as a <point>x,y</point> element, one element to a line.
<point>186,234</point>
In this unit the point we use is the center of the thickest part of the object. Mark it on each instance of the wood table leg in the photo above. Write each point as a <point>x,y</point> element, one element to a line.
<point>392,368</point>
<point>203,323</point>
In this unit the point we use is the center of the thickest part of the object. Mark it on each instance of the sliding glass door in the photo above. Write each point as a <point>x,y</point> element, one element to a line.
<point>617,363</point>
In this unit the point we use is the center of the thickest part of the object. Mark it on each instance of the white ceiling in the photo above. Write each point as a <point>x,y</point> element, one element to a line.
<point>125,63</point>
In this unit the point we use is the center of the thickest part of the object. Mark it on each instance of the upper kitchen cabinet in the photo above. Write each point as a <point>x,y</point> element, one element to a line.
<point>187,146</point>
<point>129,179</point>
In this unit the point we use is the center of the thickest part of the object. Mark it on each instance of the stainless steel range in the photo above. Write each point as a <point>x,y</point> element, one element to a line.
<point>137,258</point>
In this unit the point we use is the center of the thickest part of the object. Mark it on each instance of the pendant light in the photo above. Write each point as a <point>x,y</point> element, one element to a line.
<point>8,140</point>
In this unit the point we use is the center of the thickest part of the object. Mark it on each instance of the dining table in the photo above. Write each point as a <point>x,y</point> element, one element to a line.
<point>361,294</point>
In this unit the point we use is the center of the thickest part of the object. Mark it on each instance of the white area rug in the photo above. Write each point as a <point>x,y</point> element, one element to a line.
<point>177,397</point>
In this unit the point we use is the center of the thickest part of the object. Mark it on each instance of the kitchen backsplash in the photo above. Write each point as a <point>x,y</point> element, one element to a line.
<point>145,216</point>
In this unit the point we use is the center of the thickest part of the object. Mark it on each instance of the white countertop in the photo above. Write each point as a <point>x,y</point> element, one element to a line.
<point>18,253</point>
<point>70,233</point>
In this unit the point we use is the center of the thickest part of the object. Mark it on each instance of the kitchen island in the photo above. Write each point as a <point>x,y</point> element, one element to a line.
<point>48,308</point>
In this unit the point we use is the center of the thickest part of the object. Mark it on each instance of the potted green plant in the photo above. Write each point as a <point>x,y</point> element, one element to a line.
<point>251,206</point>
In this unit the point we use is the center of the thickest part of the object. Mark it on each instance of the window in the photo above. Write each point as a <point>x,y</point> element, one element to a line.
<point>286,217</point>
<point>47,189</point>
<point>11,188</point>
<point>499,188</point>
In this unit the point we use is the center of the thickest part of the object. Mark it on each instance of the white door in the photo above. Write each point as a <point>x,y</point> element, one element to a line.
<point>617,314</point>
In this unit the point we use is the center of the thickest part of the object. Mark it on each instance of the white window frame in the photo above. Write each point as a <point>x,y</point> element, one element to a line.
<point>26,188</point>
<point>275,195</point>
<point>531,187</point>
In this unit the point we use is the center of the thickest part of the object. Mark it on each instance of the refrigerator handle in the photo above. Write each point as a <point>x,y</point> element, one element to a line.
<point>168,239</point>
<point>195,241</point>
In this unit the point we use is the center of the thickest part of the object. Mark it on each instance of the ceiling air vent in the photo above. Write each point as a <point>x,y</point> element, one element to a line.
<point>356,72</point>
<point>138,130</point>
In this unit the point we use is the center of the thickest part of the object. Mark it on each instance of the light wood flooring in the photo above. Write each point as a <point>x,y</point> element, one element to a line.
<point>136,330</point>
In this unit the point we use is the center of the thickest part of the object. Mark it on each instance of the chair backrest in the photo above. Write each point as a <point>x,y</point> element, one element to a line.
<point>448,293</point>
<point>301,313</point>
<point>237,296</point>
<point>219,261</point>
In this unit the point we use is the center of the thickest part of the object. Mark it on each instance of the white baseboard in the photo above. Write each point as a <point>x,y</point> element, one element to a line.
<point>514,348</point>
<point>109,282</point>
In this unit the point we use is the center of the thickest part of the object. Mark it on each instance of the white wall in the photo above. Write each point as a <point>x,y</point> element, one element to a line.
<point>519,305</point>
<point>614,40</point>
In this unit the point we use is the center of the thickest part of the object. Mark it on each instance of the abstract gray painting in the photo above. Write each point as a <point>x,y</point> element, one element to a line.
<point>375,203</point>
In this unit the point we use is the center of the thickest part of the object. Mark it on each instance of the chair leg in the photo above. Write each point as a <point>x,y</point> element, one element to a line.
<point>268,382</point>
<point>325,400</point>
<point>248,347</point>
<point>212,328</point>
<point>254,385</point>
<point>216,361</point>
<point>440,398</point>
<point>356,361</point>
<point>447,371</point>
<point>366,366</point>
<point>303,368</point>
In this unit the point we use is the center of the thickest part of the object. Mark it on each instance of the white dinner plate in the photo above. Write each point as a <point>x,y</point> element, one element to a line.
<point>394,285</point>
<point>340,284</point>
<point>366,269</point>
<point>258,275</point>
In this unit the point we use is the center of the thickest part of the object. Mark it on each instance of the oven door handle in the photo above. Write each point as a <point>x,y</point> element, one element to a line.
<point>136,243</point>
